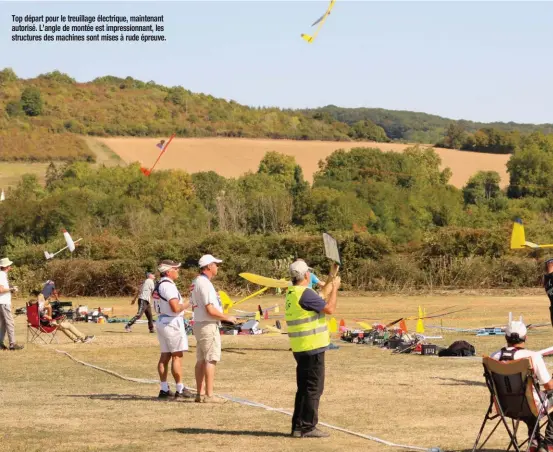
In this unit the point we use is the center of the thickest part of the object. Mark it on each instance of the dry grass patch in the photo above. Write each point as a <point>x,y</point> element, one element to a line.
<point>407,399</point>
<point>232,157</point>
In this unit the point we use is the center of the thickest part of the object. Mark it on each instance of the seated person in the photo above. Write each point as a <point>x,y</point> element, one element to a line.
<point>45,313</point>
<point>515,335</point>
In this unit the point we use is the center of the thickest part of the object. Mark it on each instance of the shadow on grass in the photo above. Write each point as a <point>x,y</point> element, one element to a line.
<point>233,349</point>
<point>212,431</point>
<point>126,397</point>
<point>459,382</point>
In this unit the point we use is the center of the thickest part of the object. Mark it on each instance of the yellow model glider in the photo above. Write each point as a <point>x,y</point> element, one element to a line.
<point>228,303</point>
<point>518,239</point>
<point>264,281</point>
<point>320,21</point>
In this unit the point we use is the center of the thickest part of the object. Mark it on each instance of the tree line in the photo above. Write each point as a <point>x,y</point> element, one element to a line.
<point>400,224</point>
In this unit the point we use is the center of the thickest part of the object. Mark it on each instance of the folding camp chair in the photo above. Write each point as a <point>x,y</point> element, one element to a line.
<point>511,385</point>
<point>34,328</point>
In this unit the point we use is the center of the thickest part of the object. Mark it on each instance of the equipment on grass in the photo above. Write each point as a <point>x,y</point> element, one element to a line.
<point>59,309</point>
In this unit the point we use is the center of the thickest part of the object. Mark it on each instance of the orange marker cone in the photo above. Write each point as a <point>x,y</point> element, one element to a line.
<point>403,326</point>
<point>266,315</point>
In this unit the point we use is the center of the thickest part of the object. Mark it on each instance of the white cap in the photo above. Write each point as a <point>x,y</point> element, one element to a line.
<point>298,269</point>
<point>207,259</point>
<point>167,265</point>
<point>516,327</point>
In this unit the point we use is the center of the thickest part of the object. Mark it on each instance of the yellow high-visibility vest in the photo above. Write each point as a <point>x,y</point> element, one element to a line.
<point>307,330</point>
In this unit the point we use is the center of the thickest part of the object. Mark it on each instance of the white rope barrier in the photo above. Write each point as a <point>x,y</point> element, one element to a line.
<point>246,402</point>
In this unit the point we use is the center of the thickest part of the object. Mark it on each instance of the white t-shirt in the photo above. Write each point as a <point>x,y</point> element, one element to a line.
<point>6,297</point>
<point>167,290</point>
<point>540,368</point>
<point>147,289</point>
<point>202,293</point>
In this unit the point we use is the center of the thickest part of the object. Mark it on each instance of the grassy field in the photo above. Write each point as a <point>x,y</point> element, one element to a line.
<point>10,173</point>
<point>50,402</point>
<point>232,157</point>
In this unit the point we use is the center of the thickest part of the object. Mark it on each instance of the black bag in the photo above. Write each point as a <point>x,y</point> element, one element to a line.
<point>458,348</point>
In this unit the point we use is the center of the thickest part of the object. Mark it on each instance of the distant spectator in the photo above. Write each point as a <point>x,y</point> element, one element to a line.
<point>144,296</point>
<point>6,318</point>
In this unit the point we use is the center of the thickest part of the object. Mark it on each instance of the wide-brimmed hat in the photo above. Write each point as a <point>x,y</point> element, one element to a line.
<point>5,262</point>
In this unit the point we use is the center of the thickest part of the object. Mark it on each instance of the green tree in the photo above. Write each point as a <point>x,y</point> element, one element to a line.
<point>281,167</point>
<point>455,136</point>
<point>482,187</point>
<point>530,172</point>
<point>31,101</point>
<point>7,75</point>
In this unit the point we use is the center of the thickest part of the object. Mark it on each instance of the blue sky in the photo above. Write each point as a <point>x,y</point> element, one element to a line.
<point>484,61</point>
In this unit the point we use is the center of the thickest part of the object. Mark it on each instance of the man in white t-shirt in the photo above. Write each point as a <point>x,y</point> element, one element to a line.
<point>171,334</point>
<point>515,335</point>
<point>144,295</point>
<point>208,312</point>
<point>6,318</point>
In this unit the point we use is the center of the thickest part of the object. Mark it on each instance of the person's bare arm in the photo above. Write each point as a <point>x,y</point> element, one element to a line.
<point>330,306</point>
<point>176,307</point>
<point>549,385</point>
<point>4,289</point>
<point>212,311</point>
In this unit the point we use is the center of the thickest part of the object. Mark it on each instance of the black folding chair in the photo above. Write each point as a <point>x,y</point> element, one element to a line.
<point>511,385</point>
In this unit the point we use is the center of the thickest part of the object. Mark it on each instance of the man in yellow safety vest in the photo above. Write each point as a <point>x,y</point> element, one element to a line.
<point>309,339</point>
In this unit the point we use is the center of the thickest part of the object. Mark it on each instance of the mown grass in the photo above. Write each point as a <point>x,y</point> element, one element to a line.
<point>51,402</point>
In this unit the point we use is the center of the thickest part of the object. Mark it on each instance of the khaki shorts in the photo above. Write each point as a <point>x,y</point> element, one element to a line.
<point>172,335</point>
<point>208,341</point>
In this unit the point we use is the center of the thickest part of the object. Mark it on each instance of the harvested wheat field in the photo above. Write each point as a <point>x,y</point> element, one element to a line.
<point>50,402</point>
<point>232,157</point>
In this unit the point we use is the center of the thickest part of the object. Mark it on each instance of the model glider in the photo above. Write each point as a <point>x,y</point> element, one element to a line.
<point>320,21</point>
<point>228,303</point>
<point>264,281</point>
<point>163,146</point>
<point>70,245</point>
<point>518,239</point>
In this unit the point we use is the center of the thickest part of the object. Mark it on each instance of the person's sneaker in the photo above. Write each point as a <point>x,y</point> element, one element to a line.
<point>3,347</point>
<point>213,399</point>
<point>315,433</point>
<point>184,394</point>
<point>16,347</point>
<point>87,339</point>
<point>164,394</point>
<point>296,434</point>
<point>152,331</point>
<point>199,398</point>
<point>127,329</point>
<point>332,346</point>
